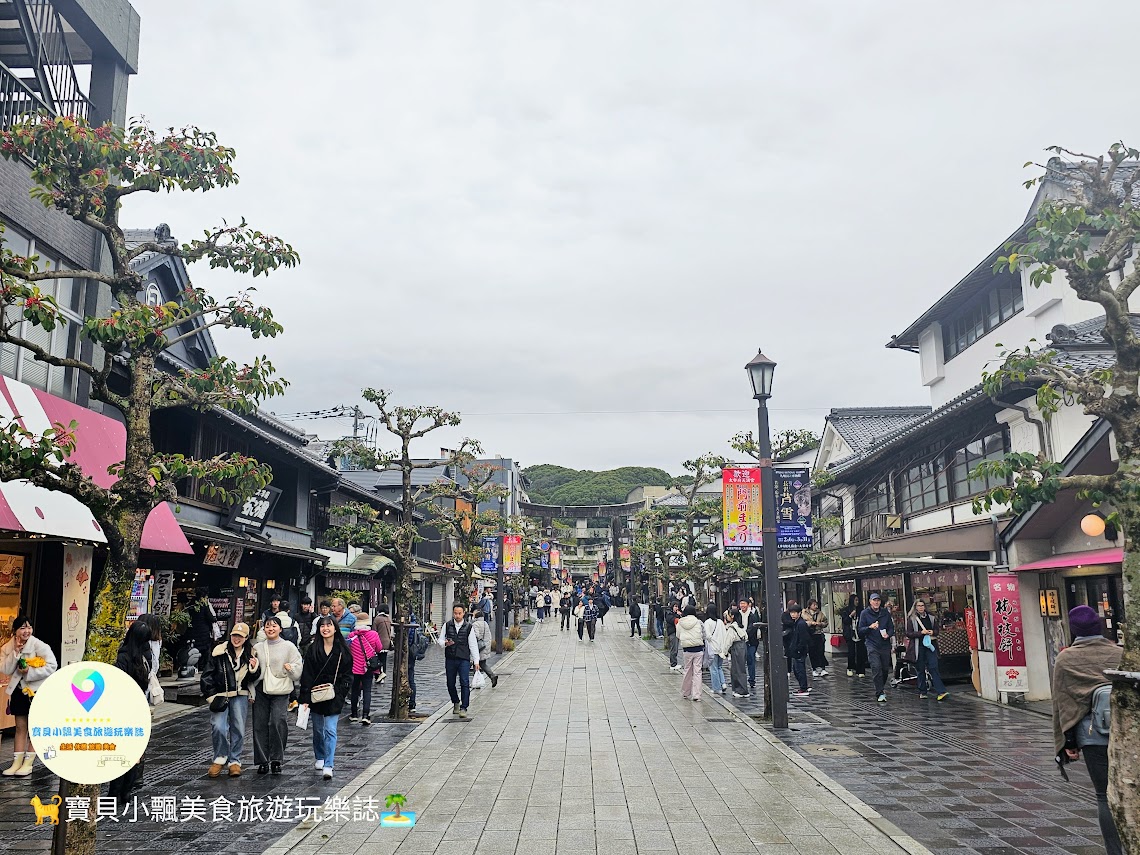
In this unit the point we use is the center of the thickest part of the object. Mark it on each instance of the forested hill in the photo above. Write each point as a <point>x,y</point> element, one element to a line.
<point>557,485</point>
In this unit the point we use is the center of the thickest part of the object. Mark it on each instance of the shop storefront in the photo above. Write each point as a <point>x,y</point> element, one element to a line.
<point>51,548</point>
<point>949,597</point>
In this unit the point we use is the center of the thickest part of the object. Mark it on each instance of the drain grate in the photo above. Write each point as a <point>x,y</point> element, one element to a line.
<point>721,720</point>
<point>831,750</point>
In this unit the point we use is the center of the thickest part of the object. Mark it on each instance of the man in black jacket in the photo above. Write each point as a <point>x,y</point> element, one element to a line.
<point>799,640</point>
<point>634,617</point>
<point>749,618</point>
<point>565,605</point>
<point>671,619</point>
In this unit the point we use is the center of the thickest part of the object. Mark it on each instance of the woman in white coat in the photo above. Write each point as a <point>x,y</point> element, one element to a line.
<point>28,662</point>
<point>716,634</point>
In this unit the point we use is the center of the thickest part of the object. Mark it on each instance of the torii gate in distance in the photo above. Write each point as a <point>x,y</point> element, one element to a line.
<point>618,515</point>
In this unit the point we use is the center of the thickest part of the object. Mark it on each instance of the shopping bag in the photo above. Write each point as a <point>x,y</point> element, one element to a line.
<point>478,681</point>
<point>303,717</point>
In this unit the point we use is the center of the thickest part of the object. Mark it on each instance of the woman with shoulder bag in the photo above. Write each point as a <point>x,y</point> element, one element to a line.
<point>922,632</point>
<point>279,671</point>
<point>325,683</point>
<point>366,646</point>
<point>229,672</point>
<point>735,645</point>
<point>1078,726</point>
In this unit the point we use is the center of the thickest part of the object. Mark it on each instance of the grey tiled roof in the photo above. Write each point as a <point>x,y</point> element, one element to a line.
<point>1080,360</point>
<point>862,427</point>
<point>370,479</point>
<point>1088,332</point>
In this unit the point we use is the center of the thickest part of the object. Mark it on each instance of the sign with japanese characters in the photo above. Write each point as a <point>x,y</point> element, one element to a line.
<point>743,525</point>
<point>942,578</point>
<point>90,722</point>
<point>624,557</point>
<point>556,560</point>
<point>490,562</point>
<point>223,555</point>
<point>76,596</point>
<point>1009,634</point>
<point>512,553</point>
<point>255,511</point>
<point>793,509</point>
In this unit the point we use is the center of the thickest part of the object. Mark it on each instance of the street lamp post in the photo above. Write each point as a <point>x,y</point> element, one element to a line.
<point>760,371</point>
<point>500,582</point>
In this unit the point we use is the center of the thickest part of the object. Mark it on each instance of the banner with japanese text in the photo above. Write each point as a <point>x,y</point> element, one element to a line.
<point>624,557</point>
<point>512,553</point>
<point>793,509</point>
<point>490,562</point>
<point>76,596</point>
<point>743,526</point>
<point>556,559</point>
<point>1009,634</point>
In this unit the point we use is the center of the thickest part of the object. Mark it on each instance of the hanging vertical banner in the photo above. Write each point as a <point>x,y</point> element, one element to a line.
<point>556,560</point>
<point>490,562</point>
<point>623,556</point>
<point>743,526</point>
<point>163,592</point>
<point>1009,634</point>
<point>793,509</point>
<point>512,553</point>
<point>76,597</point>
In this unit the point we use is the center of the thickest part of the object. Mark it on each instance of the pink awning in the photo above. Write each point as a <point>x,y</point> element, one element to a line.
<point>100,443</point>
<point>1076,559</point>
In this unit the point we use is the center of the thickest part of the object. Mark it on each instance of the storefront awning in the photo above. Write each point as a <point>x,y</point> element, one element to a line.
<point>276,547</point>
<point>100,443</point>
<point>372,563</point>
<point>1076,559</point>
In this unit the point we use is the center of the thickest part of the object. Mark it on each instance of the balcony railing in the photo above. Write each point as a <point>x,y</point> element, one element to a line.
<point>17,101</point>
<point>876,526</point>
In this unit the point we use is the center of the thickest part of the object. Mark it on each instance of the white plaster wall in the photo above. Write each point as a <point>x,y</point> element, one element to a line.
<point>1066,428</point>
<point>987,668</point>
<point>931,354</point>
<point>1036,653</point>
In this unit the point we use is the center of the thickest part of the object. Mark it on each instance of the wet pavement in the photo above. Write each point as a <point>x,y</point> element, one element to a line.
<point>220,815</point>
<point>958,775</point>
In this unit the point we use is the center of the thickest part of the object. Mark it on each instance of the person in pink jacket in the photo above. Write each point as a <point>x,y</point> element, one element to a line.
<point>364,643</point>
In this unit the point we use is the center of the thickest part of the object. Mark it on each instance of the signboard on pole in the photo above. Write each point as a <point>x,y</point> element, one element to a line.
<point>512,553</point>
<point>76,596</point>
<point>743,526</point>
<point>255,511</point>
<point>624,557</point>
<point>1009,634</point>
<point>556,559</point>
<point>490,562</point>
<point>793,509</point>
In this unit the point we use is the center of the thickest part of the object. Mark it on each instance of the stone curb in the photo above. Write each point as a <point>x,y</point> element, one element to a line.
<point>897,836</point>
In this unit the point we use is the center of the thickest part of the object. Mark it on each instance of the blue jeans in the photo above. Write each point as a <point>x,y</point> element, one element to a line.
<point>928,661</point>
<point>716,672</point>
<point>799,668</point>
<point>227,729</point>
<point>460,668</point>
<point>752,663</point>
<point>324,738</point>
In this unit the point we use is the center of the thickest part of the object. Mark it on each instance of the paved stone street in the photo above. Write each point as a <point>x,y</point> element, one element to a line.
<point>176,762</point>
<point>962,775</point>
<point>589,748</point>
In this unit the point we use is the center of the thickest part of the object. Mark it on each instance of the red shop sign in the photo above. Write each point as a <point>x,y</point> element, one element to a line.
<point>1009,634</point>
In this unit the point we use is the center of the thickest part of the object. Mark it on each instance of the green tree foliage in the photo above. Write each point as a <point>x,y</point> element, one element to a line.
<point>87,173</point>
<point>557,485</point>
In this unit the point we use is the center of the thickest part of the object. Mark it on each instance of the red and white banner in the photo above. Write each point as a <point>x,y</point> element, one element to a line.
<point>1009,634</point>
<point>101,442</point>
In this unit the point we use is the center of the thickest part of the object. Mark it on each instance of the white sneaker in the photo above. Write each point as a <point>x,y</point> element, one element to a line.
<point>319,765</point>
<point>850,673</point>
<point>823,672</point>
<point>327,774</point>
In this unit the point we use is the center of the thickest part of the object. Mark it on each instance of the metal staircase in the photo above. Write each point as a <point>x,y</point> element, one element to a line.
<point>37,70</point>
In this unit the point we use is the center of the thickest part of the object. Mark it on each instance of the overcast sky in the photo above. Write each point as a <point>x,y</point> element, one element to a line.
<point>601,210</point>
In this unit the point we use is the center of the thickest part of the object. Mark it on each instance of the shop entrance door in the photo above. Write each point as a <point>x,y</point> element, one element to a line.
<point>1106,595</point>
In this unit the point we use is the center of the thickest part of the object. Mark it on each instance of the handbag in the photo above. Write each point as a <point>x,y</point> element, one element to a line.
<point>325,691</point>
<point>154,691</point>
<point>371,663</point>
<point>220,703</point>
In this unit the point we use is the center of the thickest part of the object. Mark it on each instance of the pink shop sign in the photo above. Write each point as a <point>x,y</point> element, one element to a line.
<point>1009,634</point>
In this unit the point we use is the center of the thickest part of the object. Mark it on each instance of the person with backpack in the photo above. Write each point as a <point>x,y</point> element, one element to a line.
<point>1081,709</point>
<point>922,649</point>
<point>634,617</point>
<point>482,632</point>
<point>564,607</point>
<point>367,648</point>
<point>548,602</point>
